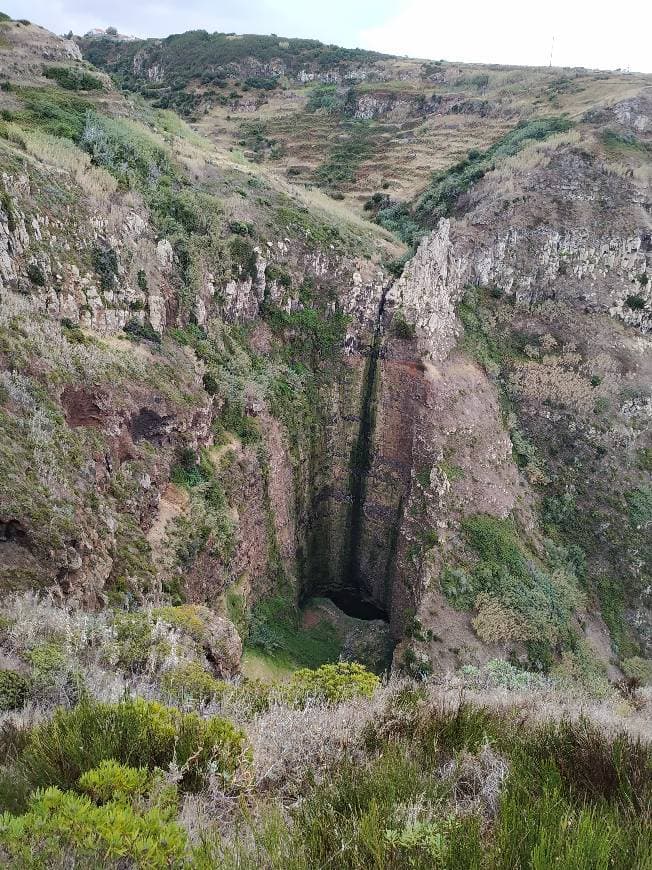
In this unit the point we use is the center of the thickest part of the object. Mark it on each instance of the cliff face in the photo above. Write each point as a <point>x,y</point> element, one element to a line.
<point>215,390</point>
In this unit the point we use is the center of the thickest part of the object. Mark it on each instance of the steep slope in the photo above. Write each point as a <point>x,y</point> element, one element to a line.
<point>219,389</point>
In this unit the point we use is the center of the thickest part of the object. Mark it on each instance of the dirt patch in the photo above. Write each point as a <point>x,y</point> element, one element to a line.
<point>172,504</point>
<point>83,408</point>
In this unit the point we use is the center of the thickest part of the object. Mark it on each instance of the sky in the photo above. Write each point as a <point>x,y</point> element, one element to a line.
<point>590,33</point>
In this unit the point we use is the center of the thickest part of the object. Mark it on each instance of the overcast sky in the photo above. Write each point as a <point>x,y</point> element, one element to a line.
<point>587,33</point>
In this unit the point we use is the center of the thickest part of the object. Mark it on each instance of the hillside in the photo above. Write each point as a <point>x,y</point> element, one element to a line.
<point>317,364</point>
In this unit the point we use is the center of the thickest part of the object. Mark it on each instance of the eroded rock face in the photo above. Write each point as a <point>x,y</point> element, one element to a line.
<point>222,646</point>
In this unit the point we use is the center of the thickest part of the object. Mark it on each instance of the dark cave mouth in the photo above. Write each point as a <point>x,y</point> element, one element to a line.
<point>354,604</point>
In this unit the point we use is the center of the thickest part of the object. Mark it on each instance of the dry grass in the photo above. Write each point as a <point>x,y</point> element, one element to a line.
<point>63,155</point>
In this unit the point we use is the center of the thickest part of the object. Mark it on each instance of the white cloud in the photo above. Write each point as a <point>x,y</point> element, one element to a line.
<point>593,34</point>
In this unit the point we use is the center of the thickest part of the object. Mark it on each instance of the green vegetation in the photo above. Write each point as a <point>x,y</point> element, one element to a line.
<point>62,827</point>
<point>53,112</point>
<point>36,274</point>
<point>340,167</point>
<point>14,690</point>
<point>410,221</point>
<point>274,629</point>
<point>514,596</point>
<point>209,58</point>
<point>114,781</point>
<point>134,732</point>
<point>190,682</point>
<point>561,795</point>
<point>325,98</point>
<point>639,504</point>
<point>333,682</point>
<point>72,79</point>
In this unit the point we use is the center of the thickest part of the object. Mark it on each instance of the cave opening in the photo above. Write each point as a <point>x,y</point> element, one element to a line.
<point>353,604</point>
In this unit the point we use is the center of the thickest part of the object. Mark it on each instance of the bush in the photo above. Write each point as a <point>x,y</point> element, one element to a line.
<point>639,504</point>
<point>105,263</point>
<point>243,258</point>
<point>133,634</point>
<point>68,830</point>
<point>401,328</point>
<point>190,618</point>
<point>49,665</point>
<point>60,114</point>
<point>636,302</point>
<point>134,732</point>
<point>637,668</point>
<point>333,682</point>
<point>191,682</point>
<point>113,781</point>
<point>144,331</point>
<point>36,274</point>
<point>14,689</point>
<point>72,79</point>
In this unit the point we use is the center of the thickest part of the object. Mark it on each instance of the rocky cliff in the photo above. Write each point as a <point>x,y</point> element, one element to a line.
<point>221,388</point>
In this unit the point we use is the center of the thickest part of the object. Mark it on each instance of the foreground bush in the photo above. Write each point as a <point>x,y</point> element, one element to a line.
<point>62,829</point>
<point>114,781</point>
<point>133,732</point>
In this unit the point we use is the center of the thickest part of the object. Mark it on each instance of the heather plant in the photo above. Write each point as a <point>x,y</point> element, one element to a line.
<point>133,732</point>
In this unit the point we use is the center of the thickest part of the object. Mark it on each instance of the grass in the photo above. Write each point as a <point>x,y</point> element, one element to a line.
<point>410,220</point>
<point>464,789</point>
<point>276,633</point>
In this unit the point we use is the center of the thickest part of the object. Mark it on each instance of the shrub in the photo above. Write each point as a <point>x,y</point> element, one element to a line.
<point>133,634</point>
<point>190,618</point>
<point>14,688</point>
<point>639,503</point>
<point>243,258</point>
<point>494,540</point>
<point>105,263</point>
<point>64,830</point>
<point>401,328</point>
<point>36,274</point>
<point>134,732</point>
<point>49,664</point>
<point>325,97</point>
<point>114,781</point>
<point>333,682</point>
<point>637,668</point>
<point>145,331</point>
<point>636,302</point>
<point>72,79</point>
<point>60,114</point>
<point>495,623</point>
<point>191,682</point>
